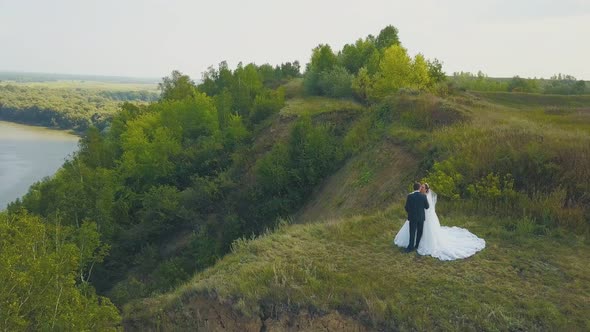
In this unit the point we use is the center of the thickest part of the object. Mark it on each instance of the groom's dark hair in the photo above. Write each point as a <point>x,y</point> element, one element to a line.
<point>417,185</point>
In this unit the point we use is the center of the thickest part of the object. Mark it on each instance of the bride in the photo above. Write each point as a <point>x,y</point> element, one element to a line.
<point>444,243</point>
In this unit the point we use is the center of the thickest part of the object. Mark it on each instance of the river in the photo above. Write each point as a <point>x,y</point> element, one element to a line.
<point>27,155</point>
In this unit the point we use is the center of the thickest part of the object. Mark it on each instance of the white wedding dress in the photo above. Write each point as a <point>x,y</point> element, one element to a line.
<point>444,243</point>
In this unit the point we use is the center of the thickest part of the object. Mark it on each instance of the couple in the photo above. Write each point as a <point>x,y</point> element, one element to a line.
<point>423,228</point>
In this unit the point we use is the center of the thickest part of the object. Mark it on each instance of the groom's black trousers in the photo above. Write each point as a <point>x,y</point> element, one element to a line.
<point>416,228</point>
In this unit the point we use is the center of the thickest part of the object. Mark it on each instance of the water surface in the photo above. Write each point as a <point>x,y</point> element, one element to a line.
<point>27,155</point>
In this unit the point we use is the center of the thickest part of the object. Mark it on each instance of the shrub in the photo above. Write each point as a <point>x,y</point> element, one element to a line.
<point>515,170</point>
<point>446,179</point>
<point>267,103</point>
<point>336,83</point>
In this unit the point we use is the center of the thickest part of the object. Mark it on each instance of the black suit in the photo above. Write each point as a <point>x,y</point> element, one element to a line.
<point>416,203</point>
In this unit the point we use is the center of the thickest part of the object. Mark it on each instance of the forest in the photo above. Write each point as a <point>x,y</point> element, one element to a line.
<point>162,189</point>
<point>66,105</point>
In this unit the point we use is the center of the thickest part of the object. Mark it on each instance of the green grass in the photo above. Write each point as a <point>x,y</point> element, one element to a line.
<point>318,105</point>
<point>294,88</point>
<point>534,100</point>
<point>568,113</point>
<point>546,152</point>
<point>520,281</point>
<point>565,112</point>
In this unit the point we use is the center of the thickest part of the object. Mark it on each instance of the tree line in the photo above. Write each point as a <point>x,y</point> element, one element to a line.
<point>370,69</point>
<point>559,84</point>
<point>76,109</point>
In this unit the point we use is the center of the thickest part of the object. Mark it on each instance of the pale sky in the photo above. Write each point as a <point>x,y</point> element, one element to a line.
<point>150,38</point>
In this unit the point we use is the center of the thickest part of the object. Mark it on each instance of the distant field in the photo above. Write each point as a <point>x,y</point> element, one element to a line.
<point>24,77</point>
<point>534,100</point>
<point>77,82</point>
<point>87,85</point>
<point>552,112</point>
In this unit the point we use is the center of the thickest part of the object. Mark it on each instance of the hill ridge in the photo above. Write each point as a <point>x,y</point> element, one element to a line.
<point>339,266</point>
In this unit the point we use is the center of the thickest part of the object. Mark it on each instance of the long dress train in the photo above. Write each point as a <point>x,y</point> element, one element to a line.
<point>442,242</point>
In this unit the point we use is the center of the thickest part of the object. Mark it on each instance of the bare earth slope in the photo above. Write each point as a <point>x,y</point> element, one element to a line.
<point>369,182</point>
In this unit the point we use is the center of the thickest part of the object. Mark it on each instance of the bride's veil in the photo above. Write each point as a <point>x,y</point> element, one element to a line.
<point>433,197</point>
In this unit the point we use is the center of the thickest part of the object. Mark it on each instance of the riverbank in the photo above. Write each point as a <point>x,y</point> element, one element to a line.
<point>27,118</point>
<point>40,126</point>
<point>28,154</point>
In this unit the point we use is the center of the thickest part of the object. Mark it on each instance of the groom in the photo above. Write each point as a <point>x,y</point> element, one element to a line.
<point>416,203</point>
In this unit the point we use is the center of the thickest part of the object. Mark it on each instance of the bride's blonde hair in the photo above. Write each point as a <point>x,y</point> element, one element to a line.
<point>427,187</point>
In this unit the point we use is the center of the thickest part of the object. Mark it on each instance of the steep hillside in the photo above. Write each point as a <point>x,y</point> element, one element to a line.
<point>369,182</point>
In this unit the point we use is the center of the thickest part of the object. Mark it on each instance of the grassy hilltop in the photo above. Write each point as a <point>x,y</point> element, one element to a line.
<point>348,268</point>
<point>339,269</point>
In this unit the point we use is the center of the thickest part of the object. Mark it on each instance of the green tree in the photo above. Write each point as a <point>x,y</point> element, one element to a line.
<point>355,56</point>
<point>397,70</point>
<point>267,103</point>
<point>176,87</point>
<point>235,133</point>
<point>394,72</point>
<point>287,174</point>
<point>420,77</point>
<point>95,151</point>
<point>477,82</point>
<point>39,267</point>
<point>361,84</point>
<point>336,82</point>
<point>92,251</point>
<point>565,84</point>
<point>518,84</point>
<point>291,69</point>
<point>322,59</point>
<point>435,71</point>
<point>224,105</point>
<point>387,37</point>
<point>247,84</point>
<point>149,150</point>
